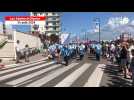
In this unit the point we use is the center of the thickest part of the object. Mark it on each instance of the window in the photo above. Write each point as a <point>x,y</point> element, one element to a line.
<point>54,18</point>
<point>46,23</point>
<point>35,13</point>
<point>54,23</point>
<point>49,18</point>
<point>41,13</point>
<point>54,28</point>
<point>53,13</point>
<point>46,27</point>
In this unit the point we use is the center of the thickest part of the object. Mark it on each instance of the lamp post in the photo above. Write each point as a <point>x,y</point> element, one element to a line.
<point>97,22</point>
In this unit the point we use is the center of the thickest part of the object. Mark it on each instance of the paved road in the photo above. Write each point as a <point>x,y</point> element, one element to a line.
<point>85,73</point>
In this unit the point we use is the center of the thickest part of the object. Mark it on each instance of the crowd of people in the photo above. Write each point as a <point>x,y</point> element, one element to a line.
<point>59,53</point>
<point>18,52</point>
<point>118,53</point>
<point>122,54</point>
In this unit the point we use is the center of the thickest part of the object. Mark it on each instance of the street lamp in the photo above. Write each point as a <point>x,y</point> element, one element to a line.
<point>97,22</point>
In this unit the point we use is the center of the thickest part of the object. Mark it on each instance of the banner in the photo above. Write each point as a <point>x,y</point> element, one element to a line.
<point>25,20</point>
<point>64,37</point>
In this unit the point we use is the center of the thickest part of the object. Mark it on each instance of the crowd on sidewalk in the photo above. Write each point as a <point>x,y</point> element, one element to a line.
<point>122,54</point>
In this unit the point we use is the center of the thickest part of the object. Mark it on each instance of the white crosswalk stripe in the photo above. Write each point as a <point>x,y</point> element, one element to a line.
<point>75,75</point>
<point>24,71</point>
<point>19,67</point>
<point>15,65</point>
<point>46,79</point>
<point>36,75</point>
<point>95,79</point>
<point>29,76</point>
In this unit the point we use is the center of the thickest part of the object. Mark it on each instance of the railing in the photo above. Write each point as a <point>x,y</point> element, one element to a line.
<point>3,40</point>
<point>2,43</point>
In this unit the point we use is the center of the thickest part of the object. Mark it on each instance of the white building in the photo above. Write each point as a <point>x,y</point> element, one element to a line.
<point>52,24</point>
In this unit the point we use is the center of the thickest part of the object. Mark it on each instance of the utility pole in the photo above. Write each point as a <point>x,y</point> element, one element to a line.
<point>97,21</point>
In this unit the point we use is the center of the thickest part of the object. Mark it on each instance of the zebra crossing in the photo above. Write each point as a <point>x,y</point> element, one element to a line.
<point>43,73</point>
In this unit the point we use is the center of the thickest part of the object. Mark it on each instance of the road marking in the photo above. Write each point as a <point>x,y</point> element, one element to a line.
<point>49,77</point>
<point>16,65</point>
<point>9,70</point>
<point>95,79</point>
<point>68,81</point>
<point>27,77</point>
<point>23,71</point>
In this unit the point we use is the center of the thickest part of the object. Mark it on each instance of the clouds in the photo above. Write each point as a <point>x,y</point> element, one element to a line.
<point>114,27</point>
<point>132,22</point>
<point>114,22</point>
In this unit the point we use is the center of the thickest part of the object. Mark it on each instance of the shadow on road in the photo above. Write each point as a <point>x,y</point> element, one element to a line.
<point>114,79</point>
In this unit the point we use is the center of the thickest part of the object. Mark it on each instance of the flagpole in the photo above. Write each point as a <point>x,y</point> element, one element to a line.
<point>95,19</point>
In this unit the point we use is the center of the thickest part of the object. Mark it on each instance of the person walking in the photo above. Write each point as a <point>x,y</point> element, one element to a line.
<point>18,52</point>
<point>112,52</point>
<point>57,55</point>
<point>81,51</point>
<point>65,53</point>
<point>26,53</point>
<point>123,57</point>
<point>98,51</point>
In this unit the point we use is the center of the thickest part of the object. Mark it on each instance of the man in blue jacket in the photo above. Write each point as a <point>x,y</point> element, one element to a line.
<point>65,54</point>
<point>98,51</point>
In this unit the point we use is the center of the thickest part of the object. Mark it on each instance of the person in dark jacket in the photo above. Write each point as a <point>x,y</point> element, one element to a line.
<point>65,53</point>
<point>123,57</point>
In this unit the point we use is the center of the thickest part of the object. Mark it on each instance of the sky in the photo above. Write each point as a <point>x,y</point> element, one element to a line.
<point>79,22</point>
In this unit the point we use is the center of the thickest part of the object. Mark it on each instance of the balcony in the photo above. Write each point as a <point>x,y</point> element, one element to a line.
<point>52,30</point>
<point>53,15</point>
<point>52,19</point>
<point>53,25</point>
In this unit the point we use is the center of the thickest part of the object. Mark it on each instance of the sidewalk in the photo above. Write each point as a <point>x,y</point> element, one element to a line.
<point>32,59</point>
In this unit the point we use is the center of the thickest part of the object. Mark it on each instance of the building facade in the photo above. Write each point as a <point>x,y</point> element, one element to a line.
<point>52,24</point>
